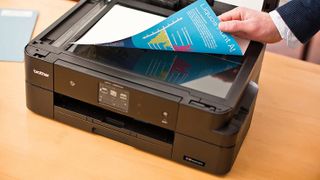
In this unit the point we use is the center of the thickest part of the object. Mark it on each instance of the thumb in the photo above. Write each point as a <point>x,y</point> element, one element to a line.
<point>231,26</point>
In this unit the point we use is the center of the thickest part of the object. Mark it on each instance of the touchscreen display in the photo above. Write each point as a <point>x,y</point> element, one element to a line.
<point>206,73</point>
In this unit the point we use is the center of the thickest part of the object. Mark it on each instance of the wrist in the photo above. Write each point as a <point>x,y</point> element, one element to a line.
<point>284,31</point>
<point>275,35</point>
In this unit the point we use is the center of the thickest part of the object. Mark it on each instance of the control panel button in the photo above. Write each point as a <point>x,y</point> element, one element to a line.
<point>123,96</point>
<point>165,114</point>
<point>72,83</point>
<point>104,90</point>
<point>113,93</point>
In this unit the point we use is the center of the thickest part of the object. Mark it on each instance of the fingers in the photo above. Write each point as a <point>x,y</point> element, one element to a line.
<point>232,26</point>
<point>234,14</point>
<point>249,24</point>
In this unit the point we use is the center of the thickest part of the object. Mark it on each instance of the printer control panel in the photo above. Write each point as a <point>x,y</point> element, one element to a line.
<point>114,96</point>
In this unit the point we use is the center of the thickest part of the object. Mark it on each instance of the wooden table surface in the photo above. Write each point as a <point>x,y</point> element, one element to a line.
<point>282,143</point>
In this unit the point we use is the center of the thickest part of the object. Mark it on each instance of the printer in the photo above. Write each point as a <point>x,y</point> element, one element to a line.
<point>192,108</point>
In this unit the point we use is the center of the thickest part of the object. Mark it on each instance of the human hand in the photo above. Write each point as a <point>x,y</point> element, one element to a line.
<point>250,24</point>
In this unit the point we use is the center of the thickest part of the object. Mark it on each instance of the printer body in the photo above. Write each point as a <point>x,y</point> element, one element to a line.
<point>107,91</point>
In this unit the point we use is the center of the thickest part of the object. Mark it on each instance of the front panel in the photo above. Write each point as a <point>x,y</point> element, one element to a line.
<point>104,91</point>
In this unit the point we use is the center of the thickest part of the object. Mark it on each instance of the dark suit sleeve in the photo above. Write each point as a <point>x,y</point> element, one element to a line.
<point>302,17</point>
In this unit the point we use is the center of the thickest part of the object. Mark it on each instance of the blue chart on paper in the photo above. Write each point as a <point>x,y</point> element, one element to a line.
<point>192,29</point>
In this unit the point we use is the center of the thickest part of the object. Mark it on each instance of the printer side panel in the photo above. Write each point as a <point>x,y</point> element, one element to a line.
<point>39,82</point>
<point>39,100</point>
<point>199,145</point>
<point>202,155</point>
<point>218,157</point>
<point>199,123</point>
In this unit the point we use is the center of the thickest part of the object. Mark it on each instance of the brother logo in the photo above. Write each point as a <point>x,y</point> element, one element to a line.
<point>41,73</point>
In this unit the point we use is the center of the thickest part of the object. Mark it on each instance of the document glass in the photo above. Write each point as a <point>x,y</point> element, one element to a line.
<point>207,73</point>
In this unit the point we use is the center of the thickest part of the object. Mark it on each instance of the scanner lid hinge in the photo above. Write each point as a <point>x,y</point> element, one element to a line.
<point>36,52</point>
<point>39,53</point>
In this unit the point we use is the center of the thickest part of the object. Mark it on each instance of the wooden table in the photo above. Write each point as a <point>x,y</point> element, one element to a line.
<point>283,141</point>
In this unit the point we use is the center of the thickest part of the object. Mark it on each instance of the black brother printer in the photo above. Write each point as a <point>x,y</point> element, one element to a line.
<point>193,108</point>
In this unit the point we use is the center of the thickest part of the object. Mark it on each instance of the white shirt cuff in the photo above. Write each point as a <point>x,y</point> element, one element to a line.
<point>285,32</point>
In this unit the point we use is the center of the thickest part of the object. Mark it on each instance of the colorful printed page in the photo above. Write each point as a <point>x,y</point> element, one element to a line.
<point>192,29</point>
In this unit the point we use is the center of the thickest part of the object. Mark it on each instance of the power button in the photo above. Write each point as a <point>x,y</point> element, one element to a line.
<point>165,114</point>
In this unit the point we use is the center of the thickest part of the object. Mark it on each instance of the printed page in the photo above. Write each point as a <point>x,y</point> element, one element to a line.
<point>119,23</point>
<point>192,29</point>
